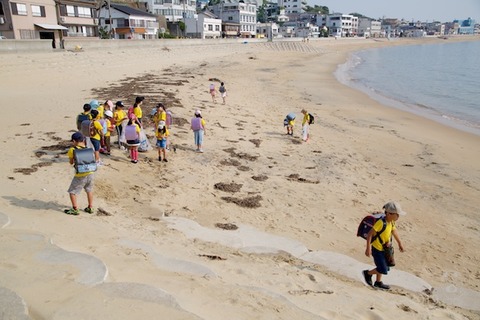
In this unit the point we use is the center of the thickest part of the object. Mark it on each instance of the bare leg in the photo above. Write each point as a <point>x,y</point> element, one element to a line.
<point>73,199</point>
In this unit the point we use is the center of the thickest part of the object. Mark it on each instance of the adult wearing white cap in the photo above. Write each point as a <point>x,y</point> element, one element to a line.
<point>380,246</point>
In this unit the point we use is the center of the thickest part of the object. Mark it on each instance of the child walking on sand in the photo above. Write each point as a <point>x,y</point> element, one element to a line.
<point>378,241</point>
<point>84,173</point>
<point>213,92</point>
<point>198,126</point>
<point>223,92</point>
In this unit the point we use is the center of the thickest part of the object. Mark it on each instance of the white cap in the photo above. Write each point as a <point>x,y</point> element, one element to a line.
<point>198,112</point>
<point>109,113</point>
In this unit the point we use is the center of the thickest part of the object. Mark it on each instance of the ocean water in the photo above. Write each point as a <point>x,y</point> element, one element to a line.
<point>437,81</point>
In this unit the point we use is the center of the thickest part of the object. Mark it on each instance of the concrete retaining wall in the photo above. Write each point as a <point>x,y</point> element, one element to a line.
<point>15,46</point>
<point>73,44</point>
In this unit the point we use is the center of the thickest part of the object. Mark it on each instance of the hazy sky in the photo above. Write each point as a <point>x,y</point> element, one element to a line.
<point>423,10</point>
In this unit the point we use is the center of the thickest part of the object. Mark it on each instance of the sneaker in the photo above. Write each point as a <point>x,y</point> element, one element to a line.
<point>165,160</point>
<point>381,285</point>
<point>72,211</point>
<point>368,277</point>
<point>159,158</point>
<point>200,150</point>
<point>88,210</point>
<point>134,161</point>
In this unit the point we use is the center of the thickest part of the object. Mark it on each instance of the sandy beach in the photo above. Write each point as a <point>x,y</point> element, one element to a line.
<point>259,226</point>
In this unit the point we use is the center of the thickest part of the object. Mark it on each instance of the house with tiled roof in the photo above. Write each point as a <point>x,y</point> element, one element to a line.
<point>125,22</point>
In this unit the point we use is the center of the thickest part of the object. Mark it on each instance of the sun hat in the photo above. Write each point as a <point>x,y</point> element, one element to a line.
<point>94,104</point>
<point>109,113</point>
<point>198,112</point>
<point>77,136</point>
<point>109,103</point>
<point>394,207</point>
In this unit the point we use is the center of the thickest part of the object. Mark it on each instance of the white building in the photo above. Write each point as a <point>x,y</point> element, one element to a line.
<point>243,13</point>
<point>267,30</point>
<point>307,30</point>
<point>292,6</point>
<point>124,22</point>
<point>338,24</point>
<point>205,25</point>
<point>370,28</point>
<point>173,10</point>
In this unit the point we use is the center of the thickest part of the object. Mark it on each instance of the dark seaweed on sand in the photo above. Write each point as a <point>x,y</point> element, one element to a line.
<point>228,187</point>
<point>249,202</point>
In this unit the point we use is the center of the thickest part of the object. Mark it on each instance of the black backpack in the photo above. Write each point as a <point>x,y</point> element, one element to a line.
<point>80,118</point>
<point>84,160</point>
<point>312,119</point>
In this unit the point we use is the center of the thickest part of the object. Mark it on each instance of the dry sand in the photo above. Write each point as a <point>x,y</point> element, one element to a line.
<point>261,225</point>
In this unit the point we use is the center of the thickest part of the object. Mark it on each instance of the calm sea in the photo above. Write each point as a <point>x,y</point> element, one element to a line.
<point>437,81</point>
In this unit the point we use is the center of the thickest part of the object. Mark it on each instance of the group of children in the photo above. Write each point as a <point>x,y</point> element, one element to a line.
<point>95,125</point>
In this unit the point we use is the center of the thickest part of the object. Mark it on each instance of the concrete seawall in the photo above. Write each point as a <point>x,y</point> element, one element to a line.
<point>18,46</point>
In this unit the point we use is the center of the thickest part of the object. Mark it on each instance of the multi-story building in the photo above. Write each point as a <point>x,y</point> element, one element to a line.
<point>370,28</point>
<point>267,30</point>
<point>243,13</point>
<point>466,26</point>
<point>173,10</point>
<point>292,6</point>
<point>338,24</point>
<point>79,16</point>
<point>125,22</point>
<point>29,19</point>
<point>48,19</point>
<point>205,25</point>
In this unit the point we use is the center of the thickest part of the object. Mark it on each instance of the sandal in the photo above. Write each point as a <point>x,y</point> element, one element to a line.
<point>72,211</point>
<point>88,210</point>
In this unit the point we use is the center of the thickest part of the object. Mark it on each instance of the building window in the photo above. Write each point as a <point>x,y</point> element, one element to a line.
<point>38,11</point>
<point>27,34</point>
<point>210,27</point>
<point>217,27</point>
<point>19,9</point>
<point>84,12</point>
<point>71,11</point>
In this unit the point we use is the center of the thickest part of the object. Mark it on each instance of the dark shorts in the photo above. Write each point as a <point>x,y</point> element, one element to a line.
<point>380,261</point>
<point>96,144</point>
<point>133,143</point>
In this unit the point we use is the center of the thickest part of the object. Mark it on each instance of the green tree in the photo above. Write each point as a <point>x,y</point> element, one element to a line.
<point>317,9</point>
<point>103,33</point>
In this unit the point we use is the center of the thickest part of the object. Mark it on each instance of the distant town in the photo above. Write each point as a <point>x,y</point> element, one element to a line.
<point>57,20</point>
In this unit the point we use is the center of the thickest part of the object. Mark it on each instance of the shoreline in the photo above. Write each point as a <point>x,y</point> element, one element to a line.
<point>361,154</point>
<point>450,120</point>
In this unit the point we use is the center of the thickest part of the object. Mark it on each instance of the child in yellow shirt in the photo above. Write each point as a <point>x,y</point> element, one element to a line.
<point>162,134</point>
